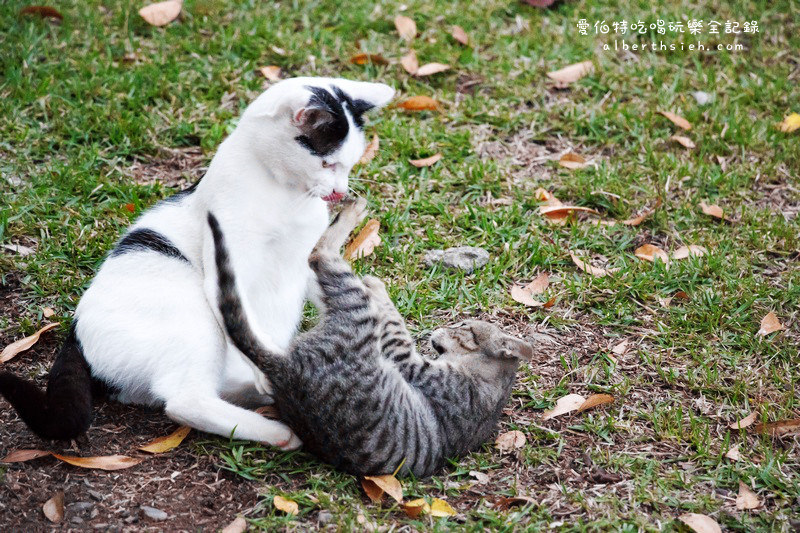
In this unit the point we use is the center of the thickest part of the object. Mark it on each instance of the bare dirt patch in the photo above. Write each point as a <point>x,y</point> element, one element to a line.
<point>174,167</point>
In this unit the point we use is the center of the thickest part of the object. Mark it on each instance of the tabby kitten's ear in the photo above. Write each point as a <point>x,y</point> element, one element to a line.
<point>509,347</point>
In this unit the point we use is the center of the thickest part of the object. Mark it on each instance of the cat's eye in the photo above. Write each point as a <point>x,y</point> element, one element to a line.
<point>331,166</point>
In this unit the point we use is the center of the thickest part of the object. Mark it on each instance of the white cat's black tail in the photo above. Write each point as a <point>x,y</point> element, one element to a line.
<point>64,411</point>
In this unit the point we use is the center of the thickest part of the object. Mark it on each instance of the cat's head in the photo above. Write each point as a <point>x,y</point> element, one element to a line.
<point>308,132</point>
<point>489,352</point>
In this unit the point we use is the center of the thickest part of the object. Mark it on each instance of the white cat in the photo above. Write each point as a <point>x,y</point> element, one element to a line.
<point>148,327</point>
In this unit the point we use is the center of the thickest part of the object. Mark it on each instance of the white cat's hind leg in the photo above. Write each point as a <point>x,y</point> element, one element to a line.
<point>215,415</point>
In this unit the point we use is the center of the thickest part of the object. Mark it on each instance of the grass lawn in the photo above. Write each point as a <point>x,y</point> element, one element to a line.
<point>102,115</point>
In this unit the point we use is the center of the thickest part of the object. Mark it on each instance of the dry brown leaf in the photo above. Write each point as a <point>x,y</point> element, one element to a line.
<point>744,422</point>
<point>779,428</point>
<point>45,12</point>
<point>547,197</point>
<point>458,33</point>
<point>414,508</point>
<point>790,123</point>
<point>410,62</point>
<point>47,312</point>
<point>635,221</point>
<point>386,483</point>
<point>161,13</point>
<point>572,73</point>
<point>700,523</point>
<point>165,444</point>
<point>589,269</point>
<point>419,103</point>
<point>370,151</point>
<point>20,456</point>
<point>769,324</point>
<point>620,348</point>
<point>373,491</point>
<point>715,211</point>
<point>286,505</point>
<point>364,59</point>
<point>558,212</point>
<point>365,242</point>
<point>504,503</point>
<point>746,499</point>
<point>17,347</point>
<point>430,69</point>
<point>677,120</point>
<point>239,525</point>
<point>105,462</point>
<point>427,161</point>
<point>510,440</point>
<point>271,72</point>
<point>649,252</point>
<point>54,508</point>
<point>595,400</point>
<point>440,508</point>
<point>480,477</point>
<point>524,295</point>
<point>19,249</point>
<point>572,161</point>
<point>564,405</point>
<point>687,251</point>
<point>684,141</point>
<point>406,27</point>
<point>733,454</point>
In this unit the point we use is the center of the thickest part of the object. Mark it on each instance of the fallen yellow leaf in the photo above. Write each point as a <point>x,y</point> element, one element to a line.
<point>419,103</point>
<point>406,27</point>
<point>17,347</point>
<point>440,508</point>
<point>165,444</point>
<point>790,123</point>
<point>458,33</point>
<point>386,483</point>
<point>286,505</point>
<point>161,13</point>
<point>700,523</point>
<point>746,498</point>
<point>677,120</point>
<point>510,440</point>
<point>595,400</point>
<point>105,462</point>
<point>271,72</point>
<point>414,508</point>
<point>649,252</point>
<point>430,69</point>
<point>427,161</point>
<point>687,251</point>
<point>364,59</point>
<point>713,210</point>
<point>769,324</point>
<point>370,151</point>
<point>53,508</point>
<point>572,161</point>
<point>571,73</point>
<point>564,405</point>
<point>365,242</point>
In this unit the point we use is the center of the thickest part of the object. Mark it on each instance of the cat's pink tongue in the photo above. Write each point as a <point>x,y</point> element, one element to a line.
<point>334,197</point>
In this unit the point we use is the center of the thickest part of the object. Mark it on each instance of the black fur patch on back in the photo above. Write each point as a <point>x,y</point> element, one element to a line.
<point>327,136</point>
<point>146,239</point>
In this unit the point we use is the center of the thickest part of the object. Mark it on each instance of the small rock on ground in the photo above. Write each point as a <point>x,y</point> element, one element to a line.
<point>152,512</point>
<point>466,258</point>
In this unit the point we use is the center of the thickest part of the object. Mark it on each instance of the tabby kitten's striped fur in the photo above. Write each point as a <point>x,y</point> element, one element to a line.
<point>354,388</point>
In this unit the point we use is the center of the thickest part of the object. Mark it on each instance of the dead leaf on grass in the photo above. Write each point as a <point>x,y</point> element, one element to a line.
<point>431,68</point>
<point>524,295</point>
<point>239,525</point>
<point>370,151</point>
<point>365,242</point>
<point>715,211</point>
<point>365,59</point>
<point>46,12</point>
<point>635,221</point>
<point>419,103</point>
<point>649,252</point>
<point>677,120</point>
<point>746,499</point>
<point>687,251</point>
<point>790,123</point>
<point>19,249</point>
<point>47,312</point>
<point>686,142</point>
<point>54,508</point>
<point>504,503</point>
<point>414,508</point>
<point>406,27</point>
<point>733,454</point>
<point>458,33</point>
<point>595,400</point>
<point>480,477</point>
<point>547,197</point>
<point>427,161</point>
<point>589,269</point>
<point>510,441</point>
<point>560,212</point>
<point>271,72</point>
<point>286,505</point>
<point>744,422</point>
<point>105,462</point>
<point>769,324</point>
<point>17,347</point>
<point>700,523</point>
<point>440,508</point>
<point>167,443</point>
<point>564,405</point>
<point>780,428</point>
<point>375,486</point>
<point>572,161</point>
<point>571,73</point>
<point>20,456</point>
<point>620,348</point>
<point>161,13</point>
<point>410,62</point>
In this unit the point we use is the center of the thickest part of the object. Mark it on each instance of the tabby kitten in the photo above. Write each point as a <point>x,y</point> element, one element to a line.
<point>354,388</point>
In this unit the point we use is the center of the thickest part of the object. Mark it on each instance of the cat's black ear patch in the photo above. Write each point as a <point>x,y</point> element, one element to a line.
<point>323,123</point>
